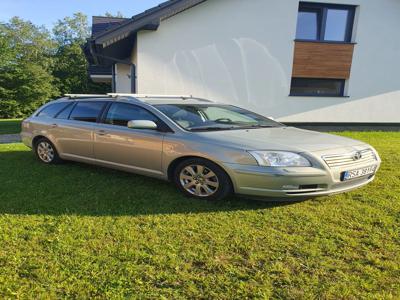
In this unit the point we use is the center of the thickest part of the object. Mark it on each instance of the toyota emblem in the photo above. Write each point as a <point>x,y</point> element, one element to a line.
<point>357,156</point>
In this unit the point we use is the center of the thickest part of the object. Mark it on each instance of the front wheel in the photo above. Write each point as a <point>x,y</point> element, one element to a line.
<point>202,179</point>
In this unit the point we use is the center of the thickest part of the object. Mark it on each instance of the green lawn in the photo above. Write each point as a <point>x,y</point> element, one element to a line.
<point>10,126</point>
<point>77,231</point>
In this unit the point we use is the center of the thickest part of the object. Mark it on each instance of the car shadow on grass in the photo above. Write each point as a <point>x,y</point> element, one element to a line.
<point>30,187</point>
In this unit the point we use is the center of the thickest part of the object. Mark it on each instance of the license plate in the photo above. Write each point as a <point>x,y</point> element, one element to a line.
<point>358,173</point>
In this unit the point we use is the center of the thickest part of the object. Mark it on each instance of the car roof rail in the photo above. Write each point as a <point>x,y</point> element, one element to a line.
<point>150,96</point>
<point>137,97</point>
<point>85,96</point>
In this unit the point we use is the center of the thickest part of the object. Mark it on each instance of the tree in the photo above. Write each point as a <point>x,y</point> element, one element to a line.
<point>116,15</point>
<point>26,61</point>
<point>72,30</point>
<point>36,66</point>
<point>71,66</point>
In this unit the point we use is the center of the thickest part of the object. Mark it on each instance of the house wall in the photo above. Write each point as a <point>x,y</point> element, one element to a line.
<point>241,52</point>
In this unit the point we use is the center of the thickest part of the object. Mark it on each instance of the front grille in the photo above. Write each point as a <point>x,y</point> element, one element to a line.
<point>349,159</point>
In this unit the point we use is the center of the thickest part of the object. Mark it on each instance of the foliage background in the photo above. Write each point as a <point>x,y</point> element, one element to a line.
<point>37,65</point>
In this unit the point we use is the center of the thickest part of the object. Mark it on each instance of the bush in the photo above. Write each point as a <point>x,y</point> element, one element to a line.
<point>10,109</point>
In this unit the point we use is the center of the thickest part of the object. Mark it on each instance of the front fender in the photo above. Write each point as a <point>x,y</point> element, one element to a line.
<point>174,149</point>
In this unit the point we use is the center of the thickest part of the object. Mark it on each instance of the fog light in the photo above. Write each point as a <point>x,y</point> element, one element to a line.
<point>290,187</point>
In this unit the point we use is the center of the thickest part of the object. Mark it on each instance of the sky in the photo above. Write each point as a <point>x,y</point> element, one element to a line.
<point>47,12</point>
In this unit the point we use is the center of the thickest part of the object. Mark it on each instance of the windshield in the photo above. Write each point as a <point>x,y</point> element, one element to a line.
<point>206,117</point>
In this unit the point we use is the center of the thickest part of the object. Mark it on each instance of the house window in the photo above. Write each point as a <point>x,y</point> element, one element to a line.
<point>317,87</point>
<point>325,22</point>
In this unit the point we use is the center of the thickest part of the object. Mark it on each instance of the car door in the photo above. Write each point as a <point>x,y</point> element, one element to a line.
<point>74,129</point>
<point>137,150</point>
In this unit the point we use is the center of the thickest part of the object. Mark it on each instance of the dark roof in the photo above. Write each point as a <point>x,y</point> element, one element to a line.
<point>147,20</point>
<point>182,5</point>
<point>101,24</point>
<point>113,38</point>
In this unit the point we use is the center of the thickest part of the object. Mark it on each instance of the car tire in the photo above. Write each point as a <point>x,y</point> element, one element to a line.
<point>46,152</point>
<point>202,179</point>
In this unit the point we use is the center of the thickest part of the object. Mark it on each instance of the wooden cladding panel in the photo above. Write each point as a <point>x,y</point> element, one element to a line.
<point>322,60</point>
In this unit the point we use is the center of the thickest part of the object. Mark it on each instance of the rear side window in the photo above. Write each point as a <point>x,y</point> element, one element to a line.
<point>52,110</point>
<point>64,114</point>
<point>87,111</point>
<point>121,113</point>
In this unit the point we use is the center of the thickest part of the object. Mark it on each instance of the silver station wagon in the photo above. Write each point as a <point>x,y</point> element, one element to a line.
<point>209,150</point>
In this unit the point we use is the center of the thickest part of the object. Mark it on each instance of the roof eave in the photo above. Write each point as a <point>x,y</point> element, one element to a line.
<point>149,20</point>
<point>124,31</point>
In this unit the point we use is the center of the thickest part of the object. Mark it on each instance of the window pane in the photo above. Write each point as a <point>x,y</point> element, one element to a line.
<point>87,111</point>
<point>317,87</point>
<point>121,113</point>
<point>64,114</point>
<point>336,25</point>
<point>52,110</point>
<point>217,117</point>
<point>214,113</point>
<point>184,115</point>
<point>307,25</point>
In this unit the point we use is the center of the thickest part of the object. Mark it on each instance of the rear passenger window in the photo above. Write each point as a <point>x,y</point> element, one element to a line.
<point>52,110</point>
<point>64,114</point>
<point>87,111</point>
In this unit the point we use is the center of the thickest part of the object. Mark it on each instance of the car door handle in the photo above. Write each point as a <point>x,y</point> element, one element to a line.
<point>101,132</point>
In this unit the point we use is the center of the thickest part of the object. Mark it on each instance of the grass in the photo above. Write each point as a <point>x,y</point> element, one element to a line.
<point>10,126</point>
<point>77,231</point>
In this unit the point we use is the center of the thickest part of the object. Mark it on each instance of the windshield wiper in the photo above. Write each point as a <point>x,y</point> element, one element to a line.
<point>211,128</point>
<point>258,126</point>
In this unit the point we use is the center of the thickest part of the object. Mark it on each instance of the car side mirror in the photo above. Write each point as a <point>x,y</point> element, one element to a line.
<point>142,124</point>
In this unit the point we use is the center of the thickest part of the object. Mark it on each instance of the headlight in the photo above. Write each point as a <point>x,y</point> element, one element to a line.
<point>280,159</point>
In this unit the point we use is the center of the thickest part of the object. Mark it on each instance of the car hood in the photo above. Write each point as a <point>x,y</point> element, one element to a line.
<point>280,138</point>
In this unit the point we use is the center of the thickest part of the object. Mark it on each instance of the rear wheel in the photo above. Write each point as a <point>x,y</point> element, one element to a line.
<point>46,152</point>
<point>201,179</point>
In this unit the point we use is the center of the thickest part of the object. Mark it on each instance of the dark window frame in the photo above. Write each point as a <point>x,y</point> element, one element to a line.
<point>340,95</point>
<point>322,9</point>
<point>162,126</point>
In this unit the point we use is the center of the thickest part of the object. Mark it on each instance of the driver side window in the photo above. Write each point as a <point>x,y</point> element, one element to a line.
<point>121,113</point>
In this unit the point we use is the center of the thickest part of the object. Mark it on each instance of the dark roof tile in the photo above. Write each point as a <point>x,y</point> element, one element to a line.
<point>162,11</point>
<point>101,24</point>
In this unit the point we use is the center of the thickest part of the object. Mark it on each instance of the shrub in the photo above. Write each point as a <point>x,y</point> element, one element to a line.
<point>10,109</point>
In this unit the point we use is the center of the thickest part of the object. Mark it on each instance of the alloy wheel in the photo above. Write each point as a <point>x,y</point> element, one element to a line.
<point>199,180</point>
<point>45,151</point>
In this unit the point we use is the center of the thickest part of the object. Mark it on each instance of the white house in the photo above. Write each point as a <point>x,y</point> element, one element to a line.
<point>335,61</point>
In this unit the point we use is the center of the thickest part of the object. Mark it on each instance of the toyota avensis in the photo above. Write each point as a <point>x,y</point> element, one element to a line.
<point>208,150</point>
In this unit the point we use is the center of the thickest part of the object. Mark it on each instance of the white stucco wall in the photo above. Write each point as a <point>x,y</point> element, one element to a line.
<point>241,52</point>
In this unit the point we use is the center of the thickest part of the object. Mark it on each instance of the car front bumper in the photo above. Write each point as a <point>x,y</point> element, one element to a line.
<point>293,183</point>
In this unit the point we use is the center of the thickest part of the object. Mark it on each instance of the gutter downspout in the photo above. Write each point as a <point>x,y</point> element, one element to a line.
<point>133,78</point>
<point>113,81</point>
